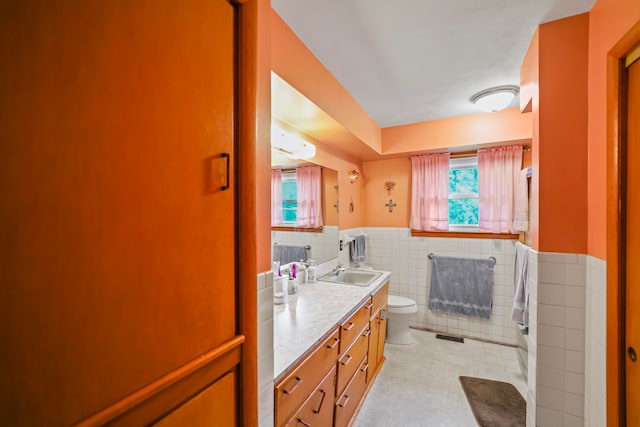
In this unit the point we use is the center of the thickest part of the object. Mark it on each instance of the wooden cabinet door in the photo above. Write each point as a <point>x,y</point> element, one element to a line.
<point>374,326</point>
<point>318,409</point>
<point>382,333</point>
<point>117,177</point>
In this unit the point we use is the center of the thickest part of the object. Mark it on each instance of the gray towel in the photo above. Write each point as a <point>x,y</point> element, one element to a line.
<point>286,253</point>
<point>357,249</point>
<point>462,286</point>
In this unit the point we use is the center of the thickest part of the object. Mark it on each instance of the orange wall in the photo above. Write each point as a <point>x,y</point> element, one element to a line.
<point>295,63</point>
<point>562,145</point>
<point>376,173</point>
<point>609,20</point>
<point>462,131</point>
<point>557,58</point>
<point>263,143</point>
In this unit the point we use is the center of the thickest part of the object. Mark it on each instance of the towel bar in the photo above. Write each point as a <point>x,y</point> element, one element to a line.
<point>430,256</point>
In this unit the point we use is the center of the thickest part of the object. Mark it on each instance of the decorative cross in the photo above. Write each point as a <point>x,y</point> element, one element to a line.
<point>391,205</point>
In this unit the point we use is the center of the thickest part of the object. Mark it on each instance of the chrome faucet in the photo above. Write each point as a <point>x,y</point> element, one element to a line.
<point>338,269</point>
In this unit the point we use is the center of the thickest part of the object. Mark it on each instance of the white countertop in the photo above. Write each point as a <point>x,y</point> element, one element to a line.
<point>309,315</point>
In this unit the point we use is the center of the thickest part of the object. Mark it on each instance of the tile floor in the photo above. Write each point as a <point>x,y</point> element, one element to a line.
<point>418,385</point>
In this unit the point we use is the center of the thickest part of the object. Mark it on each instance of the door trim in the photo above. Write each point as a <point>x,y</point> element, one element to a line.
<point>616,184</point>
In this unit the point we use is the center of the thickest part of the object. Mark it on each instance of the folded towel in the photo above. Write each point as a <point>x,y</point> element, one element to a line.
<point>520,310</point>
<point>286,253</point>
<point>462,286</point>
<point>521,203</point>
<point>357,249</point>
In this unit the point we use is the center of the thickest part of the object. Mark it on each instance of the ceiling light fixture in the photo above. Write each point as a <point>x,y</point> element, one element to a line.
<point>291,145</point>
<point>495,99</point>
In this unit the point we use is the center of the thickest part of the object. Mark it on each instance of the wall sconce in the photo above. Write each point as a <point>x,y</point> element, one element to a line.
<point>291,145</point>
<point>353,176</point>
<point>495,98</point>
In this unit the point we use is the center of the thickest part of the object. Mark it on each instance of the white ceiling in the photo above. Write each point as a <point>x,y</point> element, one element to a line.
<point>408,61</point>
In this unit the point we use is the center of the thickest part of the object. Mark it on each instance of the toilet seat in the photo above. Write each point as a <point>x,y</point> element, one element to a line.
<point>401,305</point>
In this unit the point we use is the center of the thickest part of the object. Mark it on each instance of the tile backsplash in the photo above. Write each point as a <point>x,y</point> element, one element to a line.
<point>395,250</point>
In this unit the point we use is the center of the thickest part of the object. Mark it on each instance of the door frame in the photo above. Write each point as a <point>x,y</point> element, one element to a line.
<point>616,219</point>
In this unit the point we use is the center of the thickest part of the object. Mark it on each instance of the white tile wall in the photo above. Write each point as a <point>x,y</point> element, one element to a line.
<point>395,250</point>
<point>535,292</point>
<point>265,349</point>
<point>557,350</point>
<point>595,342</point>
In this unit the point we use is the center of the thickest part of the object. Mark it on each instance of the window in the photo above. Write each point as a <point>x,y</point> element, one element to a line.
<point>289,198</point>
<point>463,193</point>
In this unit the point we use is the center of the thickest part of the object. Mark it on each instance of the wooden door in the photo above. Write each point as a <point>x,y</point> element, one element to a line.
<point>632,313</point>
<point>119,294</point>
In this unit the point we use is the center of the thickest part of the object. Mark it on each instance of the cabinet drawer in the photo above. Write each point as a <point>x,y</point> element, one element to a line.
<point>380,298</point>
<point>350,329</point>
<point>348,402</point>
<point>351,359</point>
<point>297,385</point>
<point>317,411</point>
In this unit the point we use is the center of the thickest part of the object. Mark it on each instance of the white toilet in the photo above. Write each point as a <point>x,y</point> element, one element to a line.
<point>399,310</point>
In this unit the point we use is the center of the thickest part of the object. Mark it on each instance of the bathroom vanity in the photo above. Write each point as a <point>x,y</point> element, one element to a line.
<point>328,350</point>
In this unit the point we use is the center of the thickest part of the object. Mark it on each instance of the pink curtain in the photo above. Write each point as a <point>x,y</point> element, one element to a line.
<point>276,197</point>
<point>430,192</point>
<point>498,173</point>
<point>309,179</point>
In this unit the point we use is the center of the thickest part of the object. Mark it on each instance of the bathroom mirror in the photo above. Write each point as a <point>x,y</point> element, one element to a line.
<point>324,244</point>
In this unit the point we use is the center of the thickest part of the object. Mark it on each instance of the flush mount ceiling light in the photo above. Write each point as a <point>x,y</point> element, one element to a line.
<point>495,99</point>
<point>291,145</point>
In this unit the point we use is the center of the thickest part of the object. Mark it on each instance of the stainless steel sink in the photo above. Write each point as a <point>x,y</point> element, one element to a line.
<point>352,277</point>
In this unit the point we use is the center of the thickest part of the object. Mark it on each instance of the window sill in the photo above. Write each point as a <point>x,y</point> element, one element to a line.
<point>294,228</point>
<point>465,234</point>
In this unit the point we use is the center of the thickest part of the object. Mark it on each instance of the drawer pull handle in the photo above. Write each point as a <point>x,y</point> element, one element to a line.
<point>335,343</point>
<point>347,360</point>
<point>316,411</point>
<point>348,328</point>
<point>297,383</point>
<point>303,422</point>
<point>365,368</point>
<point>367,333</point>
<point>345,400</point>
<point>368,306</point>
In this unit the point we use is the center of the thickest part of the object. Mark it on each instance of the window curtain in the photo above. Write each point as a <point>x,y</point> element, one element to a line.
<point>430,192</point>
<point>309,180</point>
<point>276,197</point>
<point>498,175</point>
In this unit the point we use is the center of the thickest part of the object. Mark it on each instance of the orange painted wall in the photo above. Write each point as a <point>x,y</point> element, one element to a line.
<point>295,63</point>
<point>562,147</point>
<point>376,173</point>
<point>609,20</point>
<point>263,143</point>
<point>554,72</point>
<point>461,131</point>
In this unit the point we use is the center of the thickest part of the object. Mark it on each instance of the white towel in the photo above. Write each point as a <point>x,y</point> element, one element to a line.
<point>520,310</point>
<point>521,203</point>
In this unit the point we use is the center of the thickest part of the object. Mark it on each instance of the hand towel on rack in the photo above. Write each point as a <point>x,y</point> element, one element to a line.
<point>357,249</point>
<point>289,253</point>
<point>462,286</point>
<point>520,310</point>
